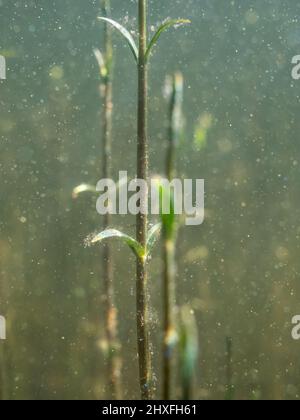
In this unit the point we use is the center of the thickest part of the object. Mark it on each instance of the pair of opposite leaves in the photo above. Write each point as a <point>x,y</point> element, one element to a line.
<point>154,232</point>
<point>129,38</point>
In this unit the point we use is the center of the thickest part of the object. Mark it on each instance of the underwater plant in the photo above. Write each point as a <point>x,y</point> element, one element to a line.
<point>174,90</point>
<point>188,351</point>
<point>106,70</point>
<point>145,238</point>
<point>105,62</point>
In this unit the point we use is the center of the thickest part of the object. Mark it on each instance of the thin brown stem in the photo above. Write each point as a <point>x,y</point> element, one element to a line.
<point>142,220</point>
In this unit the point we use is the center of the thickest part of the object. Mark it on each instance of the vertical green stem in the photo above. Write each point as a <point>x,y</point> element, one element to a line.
<point>169,304</point>
<point>169,241</point>
<point>170,159</point>
<point>188,351</point>
<point>175,123</point>
<point>114,362</point>
<point>142,219</point>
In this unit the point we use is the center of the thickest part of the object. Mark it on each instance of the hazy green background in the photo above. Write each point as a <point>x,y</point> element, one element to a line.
<point>239,271</point>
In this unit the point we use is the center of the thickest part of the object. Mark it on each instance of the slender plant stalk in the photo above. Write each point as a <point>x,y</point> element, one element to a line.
<point>169,240</point>
<point>188,351</point>
<point>169,273</point>
<point>142,220</point>
<point>143,241</point>
<point>174,122</point>
<point>111,326</point>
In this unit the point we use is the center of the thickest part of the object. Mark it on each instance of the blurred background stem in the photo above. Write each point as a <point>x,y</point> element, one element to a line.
<point>188,352</point>
<point>175,89</point>
<point>111,324</point>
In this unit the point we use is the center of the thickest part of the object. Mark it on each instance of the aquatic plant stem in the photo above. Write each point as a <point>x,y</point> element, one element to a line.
<point>169,241</point>
<point>168,308</point>
<point>111,326</point>
<point>142,219</point>
<point>170,159</point>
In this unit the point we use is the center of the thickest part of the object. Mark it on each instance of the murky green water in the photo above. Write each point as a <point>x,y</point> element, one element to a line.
<point>239,271</point>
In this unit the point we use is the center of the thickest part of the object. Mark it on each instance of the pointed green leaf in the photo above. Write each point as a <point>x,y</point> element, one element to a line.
<point>168,24</point>
<point>82,188</point>
<point>135,246</point>
<point>153,236</point>
<point>126,34</point>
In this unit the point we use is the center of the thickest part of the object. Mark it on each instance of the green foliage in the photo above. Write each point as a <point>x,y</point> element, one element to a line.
<point>188,349</point>
<point>168,218</point>
<point>168,24</point>
<point>125,33</point>
<point>113,233</point>
<point>133,244</point>
<point>202,128</point>
<point>153,236</point>
<point>131,42</point>
<point>83,188</point>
